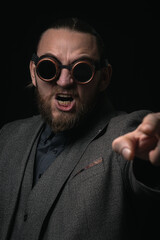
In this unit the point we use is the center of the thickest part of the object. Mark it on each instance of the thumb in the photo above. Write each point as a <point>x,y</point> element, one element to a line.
<point>125,146</point>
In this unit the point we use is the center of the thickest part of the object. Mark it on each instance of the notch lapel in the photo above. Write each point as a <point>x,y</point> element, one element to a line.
<point>47,189</point>
<point>15,163</point>
<point>49,186</point>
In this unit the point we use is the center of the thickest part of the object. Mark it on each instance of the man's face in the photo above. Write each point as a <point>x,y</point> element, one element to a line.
<point>63,103</point>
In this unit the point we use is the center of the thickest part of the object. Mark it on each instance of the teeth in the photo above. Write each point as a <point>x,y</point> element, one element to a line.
<point>64,98</point>
<point>63,95</point>
<point>64,103</point>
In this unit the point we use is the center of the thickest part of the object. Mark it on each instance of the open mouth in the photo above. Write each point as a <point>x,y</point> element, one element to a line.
<point>64,98</point>
<point>65,102</point>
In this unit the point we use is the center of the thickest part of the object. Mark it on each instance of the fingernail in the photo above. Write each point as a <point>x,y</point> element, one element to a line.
<point>126,152</point>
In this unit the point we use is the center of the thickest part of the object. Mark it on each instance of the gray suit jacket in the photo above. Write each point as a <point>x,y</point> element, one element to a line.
<point>89,193</point>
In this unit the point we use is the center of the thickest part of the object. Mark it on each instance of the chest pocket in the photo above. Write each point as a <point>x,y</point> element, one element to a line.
<point>92,169</point>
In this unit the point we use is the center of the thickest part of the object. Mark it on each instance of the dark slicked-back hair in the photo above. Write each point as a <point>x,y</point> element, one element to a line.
<point>78,25</point>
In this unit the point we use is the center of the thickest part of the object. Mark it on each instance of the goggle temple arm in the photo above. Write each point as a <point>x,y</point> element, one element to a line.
<point>35,58</point>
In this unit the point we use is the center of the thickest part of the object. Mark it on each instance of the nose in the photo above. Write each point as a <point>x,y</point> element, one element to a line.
<point>65,79</point>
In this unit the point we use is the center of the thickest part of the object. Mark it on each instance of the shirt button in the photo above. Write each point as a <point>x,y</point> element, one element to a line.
<point>25,217</point>
<point>40,175</point>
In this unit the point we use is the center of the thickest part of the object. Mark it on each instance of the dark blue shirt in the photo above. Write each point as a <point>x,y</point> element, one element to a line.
<point>49,147</point>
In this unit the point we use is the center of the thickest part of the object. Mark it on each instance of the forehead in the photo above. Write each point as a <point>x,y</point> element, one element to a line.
<point>66,43</point>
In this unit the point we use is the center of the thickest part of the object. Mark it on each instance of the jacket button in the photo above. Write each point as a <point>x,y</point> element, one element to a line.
<point>25,217</point>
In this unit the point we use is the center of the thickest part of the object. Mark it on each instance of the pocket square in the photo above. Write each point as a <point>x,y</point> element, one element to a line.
<point>96,162</point>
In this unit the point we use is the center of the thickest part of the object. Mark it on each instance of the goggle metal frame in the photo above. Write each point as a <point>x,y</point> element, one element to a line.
<point>94,65</point>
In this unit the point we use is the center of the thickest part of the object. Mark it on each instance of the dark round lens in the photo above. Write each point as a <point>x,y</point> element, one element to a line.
<point>46,70</point>
<point>82,72</point>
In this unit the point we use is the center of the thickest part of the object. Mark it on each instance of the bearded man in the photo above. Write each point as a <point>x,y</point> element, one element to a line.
<point>80,170</point>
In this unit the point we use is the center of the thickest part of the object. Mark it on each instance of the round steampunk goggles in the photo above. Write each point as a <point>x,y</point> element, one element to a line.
<point>49,68</point>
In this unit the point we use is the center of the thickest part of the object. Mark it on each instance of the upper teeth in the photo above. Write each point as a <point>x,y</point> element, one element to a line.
<point>64,97</point>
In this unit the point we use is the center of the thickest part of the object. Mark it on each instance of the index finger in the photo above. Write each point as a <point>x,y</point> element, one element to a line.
<point>151,125</point>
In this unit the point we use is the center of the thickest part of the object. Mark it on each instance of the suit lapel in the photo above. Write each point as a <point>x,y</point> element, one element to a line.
<point>26,148</point>
<point>47,189</point>
<point>17,165</point>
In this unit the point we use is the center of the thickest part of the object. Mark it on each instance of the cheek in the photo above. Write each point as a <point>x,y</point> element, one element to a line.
<point>45,89</point>
<point>88,92</point>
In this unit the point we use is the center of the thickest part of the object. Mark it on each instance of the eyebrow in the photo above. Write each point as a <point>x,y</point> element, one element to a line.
<point>51,55</point>
<point>75,60</point>
<point>86,58</point>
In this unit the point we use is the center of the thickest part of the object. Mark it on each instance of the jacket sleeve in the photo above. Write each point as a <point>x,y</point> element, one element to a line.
<point>138,172</point>
<point>142,184</point>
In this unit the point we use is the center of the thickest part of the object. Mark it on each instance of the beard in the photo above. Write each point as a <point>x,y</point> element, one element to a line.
<point>65,120</point>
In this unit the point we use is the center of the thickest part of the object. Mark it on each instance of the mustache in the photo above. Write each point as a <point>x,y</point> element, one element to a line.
<point>58,90</point>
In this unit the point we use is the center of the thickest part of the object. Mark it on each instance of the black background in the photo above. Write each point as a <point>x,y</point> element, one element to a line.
<point>130,30</point>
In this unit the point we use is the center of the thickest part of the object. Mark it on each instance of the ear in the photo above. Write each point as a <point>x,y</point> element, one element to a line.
<point>32,68</point>
<point>105,77</point>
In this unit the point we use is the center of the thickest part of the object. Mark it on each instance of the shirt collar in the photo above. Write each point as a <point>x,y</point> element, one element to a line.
<point>47,133</point>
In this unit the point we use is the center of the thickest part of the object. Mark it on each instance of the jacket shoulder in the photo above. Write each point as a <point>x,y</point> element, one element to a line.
<point>21,126</point>
<point>126,122</point>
